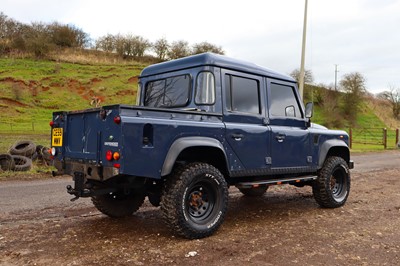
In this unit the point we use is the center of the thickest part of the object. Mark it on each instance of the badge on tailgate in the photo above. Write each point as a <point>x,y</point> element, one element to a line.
<point>57,137</point>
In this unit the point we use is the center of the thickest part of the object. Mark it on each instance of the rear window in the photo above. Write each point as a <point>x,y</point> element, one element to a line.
<point>169,92</point>
<point>242,94</point>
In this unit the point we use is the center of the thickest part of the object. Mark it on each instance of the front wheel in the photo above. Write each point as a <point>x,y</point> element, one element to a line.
<point>332,186</point>
<point>195,200</point>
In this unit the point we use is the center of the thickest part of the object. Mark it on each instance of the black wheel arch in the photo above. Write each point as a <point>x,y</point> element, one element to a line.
<point>196,149</point>
<point>333,147</point>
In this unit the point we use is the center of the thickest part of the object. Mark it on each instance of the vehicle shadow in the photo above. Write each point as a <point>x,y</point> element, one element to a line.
<point>242,210</point>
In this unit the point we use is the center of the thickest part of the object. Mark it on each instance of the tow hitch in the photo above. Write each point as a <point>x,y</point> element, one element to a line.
<point>83,189</point>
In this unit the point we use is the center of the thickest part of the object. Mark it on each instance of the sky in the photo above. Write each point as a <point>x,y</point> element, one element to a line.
<point>356,35</point>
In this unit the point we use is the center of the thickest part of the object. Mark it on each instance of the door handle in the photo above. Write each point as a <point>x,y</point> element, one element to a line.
<point>237,137</point>
<point>280,138</point>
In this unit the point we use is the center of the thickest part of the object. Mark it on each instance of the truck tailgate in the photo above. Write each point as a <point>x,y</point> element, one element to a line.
<point>82,140</point>
<point>80,135</point>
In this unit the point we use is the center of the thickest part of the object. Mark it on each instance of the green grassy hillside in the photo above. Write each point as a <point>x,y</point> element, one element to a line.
<point>31,90</point>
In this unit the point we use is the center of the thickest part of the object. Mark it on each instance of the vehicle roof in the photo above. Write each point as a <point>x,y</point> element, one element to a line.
<point>210,59</point>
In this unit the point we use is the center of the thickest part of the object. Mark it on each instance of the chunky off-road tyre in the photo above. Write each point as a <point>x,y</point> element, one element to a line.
<point>22,163</point>
<point>195,200</point>
<point>332,186</point>
<point>119,204</point>
<point>24,148</point>
<point>6,162</point>
<point>254,192</point>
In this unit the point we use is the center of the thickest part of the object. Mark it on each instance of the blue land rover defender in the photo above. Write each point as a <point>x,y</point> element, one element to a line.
<point>201,124</point>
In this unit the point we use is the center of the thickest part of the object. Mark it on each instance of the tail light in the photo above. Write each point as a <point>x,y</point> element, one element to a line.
<point>109,155</point>
<point>51,123</point>
<point>112,155</point>
<point>117,120</point>
<point>116,156</point>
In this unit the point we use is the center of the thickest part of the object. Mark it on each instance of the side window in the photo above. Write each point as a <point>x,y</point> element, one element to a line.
<point>243,94</point>
<point>169,92</point>
<point>283,101</point>
<point>205,88</point>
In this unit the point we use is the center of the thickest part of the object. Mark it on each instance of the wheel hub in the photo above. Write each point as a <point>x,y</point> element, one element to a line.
<point>334,185</point>
<point>337,183</point>
<point>198,203</point>
<point>196,200</point>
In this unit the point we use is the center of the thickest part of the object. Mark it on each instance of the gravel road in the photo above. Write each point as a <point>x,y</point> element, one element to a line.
<point>40,226</point>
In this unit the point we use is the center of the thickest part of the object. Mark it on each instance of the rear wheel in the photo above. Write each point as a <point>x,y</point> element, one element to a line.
<point>194,201</point>
<point>119,204</point>
<point>254,191</point>
<point>332,186</point>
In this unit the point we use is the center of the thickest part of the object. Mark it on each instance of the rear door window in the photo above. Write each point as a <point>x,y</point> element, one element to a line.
<point>242,94</point>
<point>169,92</point>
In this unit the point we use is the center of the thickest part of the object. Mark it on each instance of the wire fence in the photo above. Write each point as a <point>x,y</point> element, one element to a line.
<point>374,136</point>
<point>36,126</point>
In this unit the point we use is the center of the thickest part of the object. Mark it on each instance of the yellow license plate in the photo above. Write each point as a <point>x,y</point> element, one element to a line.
<point>57,137</point>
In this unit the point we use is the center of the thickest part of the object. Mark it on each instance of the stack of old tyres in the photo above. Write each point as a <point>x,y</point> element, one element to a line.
<point>22,153</point>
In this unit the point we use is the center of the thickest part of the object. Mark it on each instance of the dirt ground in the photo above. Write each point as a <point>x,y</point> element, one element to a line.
<point>284,227</point>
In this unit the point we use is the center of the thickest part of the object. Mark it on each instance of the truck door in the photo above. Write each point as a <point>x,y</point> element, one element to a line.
<point>290,138</point>
<point>244,113</point>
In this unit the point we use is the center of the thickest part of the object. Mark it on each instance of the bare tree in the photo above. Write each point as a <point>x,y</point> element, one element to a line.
<point>139,45</point>
<point>38,39</point>
<point>179,49</point>
<point>120,45</point>
<point>308,75</point>
<point>3,26</point>
<point>62,35</point>
<point>353,84</point>
<point>10,34</point>
<point>205,47</point>
<point>105,43</point>
<point>82,38</point>
<point>161,47</point>
<point>393,96</point>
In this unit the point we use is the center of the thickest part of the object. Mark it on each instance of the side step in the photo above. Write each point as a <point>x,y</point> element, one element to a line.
<point>275,182</point>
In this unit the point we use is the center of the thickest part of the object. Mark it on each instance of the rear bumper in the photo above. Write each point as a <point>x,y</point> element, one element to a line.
<point>351,164</point>
<point>90,171</point>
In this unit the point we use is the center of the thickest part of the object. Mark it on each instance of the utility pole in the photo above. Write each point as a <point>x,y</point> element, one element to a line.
<point>303,52</point>
<point>336,71</point>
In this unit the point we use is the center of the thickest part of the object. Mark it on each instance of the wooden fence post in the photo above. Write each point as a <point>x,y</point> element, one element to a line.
<point>385,138</point>
<point>351,138</point>
<point>397,137</point>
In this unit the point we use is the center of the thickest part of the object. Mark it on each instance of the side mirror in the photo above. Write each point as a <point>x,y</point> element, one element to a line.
<point>309,110</point>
